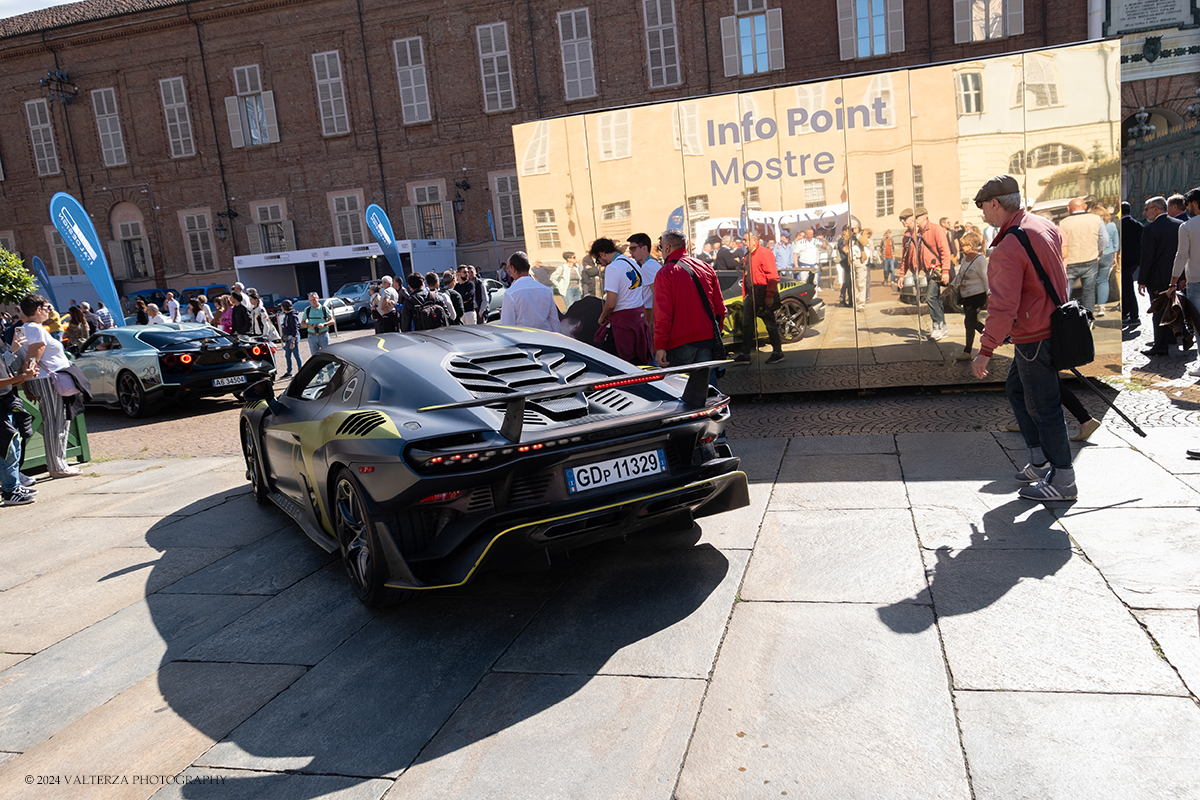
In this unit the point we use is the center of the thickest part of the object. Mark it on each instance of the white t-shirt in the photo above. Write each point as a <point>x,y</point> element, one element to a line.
<point>807,251</point>
<point>157,319</point>
<point>173,310</point>
<point>53,358</point>
<point>624,278</point>
<point>649,268</point>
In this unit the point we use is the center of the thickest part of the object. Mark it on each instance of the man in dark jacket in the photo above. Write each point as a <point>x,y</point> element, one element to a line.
<point>1160,239</point>
<point>241,316</point>
<point>1131,258</point>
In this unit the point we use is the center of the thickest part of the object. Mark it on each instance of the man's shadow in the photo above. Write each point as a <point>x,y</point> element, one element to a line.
<point>365,697</point>
<point>1005,551</point>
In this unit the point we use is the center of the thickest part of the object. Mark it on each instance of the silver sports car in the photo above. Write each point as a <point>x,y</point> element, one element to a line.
<point>138,368</point>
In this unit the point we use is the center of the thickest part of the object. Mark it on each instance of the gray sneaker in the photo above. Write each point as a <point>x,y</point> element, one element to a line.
<point>1032,474</point>
<point>18,497</point>
<point>1045,490</point>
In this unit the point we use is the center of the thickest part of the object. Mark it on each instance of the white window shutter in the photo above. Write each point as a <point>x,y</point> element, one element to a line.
<point>289,235</point>
<point>962,21</point>
<point>895,26</point>
<point>1015,24</point>
<point>116,261</point>
<point>448,220</point>
<point>729,45</point>
<point>268,99</point>
<point>411,229</point>
<point>846,28</point>
<point>254,238</point>
<point>235,122</point>
<point>775,38</point>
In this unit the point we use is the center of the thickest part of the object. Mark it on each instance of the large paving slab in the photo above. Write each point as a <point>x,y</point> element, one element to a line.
<point>159,726</point>
<point>1109,478</point>
<point>956,470</point>
<point>640,611</point>
<point>840,481</point>
<point>151,478</point>
<point>855,556</point>
<point>1178,634</point>
<point>370,707</point>
<point>235,522</point>
<point>47,691</point>
<point>1168,447</point>
<point>301,625</point>
<point>870,443</point>
<point>267,566</point>
<point>623,737</point>
<point>45,610</point>
<point>1026,745</point>
<point>818,700</point>
<point>760,457</point>
<point>1150,556</point>
<point>1038,620</point>
<point>231,784</point>
<point>987,521</point>
<point>737,529</point>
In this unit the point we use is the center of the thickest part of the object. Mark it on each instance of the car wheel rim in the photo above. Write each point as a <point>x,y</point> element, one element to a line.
<point>251,458</point>
<point>790,321</point>
<point>128,394</point>
<point>353,533</point>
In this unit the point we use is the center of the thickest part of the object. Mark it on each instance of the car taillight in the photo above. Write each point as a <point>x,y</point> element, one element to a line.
<point>256,350</point>
<point>185,359</point>
<point>170,360</point>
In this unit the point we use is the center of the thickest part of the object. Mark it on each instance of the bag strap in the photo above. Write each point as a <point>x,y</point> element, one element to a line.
<point>703,296</point>
<point>1023,238</point>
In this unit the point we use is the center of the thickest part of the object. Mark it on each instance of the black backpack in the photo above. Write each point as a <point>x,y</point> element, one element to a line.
<point>429,312</point>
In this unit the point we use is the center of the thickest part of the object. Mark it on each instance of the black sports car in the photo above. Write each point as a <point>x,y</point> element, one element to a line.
<point>425,457</point>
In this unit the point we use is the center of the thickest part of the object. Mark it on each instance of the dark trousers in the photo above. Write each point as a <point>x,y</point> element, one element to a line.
<point>1129,306</point>
<point>971,306</point>
<point>755,305</point>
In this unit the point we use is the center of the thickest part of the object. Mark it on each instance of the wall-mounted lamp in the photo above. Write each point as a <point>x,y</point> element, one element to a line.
<point>459,201</point>
<point>60,86</point>
<point>221,231</point>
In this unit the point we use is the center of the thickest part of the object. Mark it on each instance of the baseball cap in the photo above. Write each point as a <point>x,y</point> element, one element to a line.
<point>995,187</point>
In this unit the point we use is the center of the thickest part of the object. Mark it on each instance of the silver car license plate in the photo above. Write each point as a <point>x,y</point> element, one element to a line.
<point>230,381</point>
<point>615,470</point>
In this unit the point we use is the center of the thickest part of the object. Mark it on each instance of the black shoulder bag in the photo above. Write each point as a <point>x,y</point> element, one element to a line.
<point>718,342</point>
<point>1071,342</point>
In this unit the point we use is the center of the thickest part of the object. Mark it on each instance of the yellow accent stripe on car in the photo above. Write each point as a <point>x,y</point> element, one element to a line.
<point>381,347</point>
<point>496,538</point>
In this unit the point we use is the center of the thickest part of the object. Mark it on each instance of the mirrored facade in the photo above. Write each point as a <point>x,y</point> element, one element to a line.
<point>822,172</point>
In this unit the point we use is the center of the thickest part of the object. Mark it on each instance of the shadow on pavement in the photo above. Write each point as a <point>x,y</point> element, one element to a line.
<point>307,682</point>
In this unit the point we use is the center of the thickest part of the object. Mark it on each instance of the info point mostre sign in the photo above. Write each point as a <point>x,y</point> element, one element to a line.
<point>820,156</point>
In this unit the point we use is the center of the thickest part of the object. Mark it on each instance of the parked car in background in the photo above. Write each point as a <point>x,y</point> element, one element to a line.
<point>212,291</point>
<point>138,369</point>
<point>344,314</point>
<point>156,296</point>
<point>358,296</point>
<point>799,307</point>
<point>495,290</point>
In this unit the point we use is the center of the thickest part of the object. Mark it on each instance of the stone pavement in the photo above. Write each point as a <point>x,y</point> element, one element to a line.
<point>885,620</point>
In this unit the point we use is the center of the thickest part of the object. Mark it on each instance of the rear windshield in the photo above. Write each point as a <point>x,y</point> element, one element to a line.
<point>351,288</point>
<point>163,340</point>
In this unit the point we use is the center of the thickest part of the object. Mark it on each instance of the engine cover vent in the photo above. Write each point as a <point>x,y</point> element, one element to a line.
<point>360,423</point>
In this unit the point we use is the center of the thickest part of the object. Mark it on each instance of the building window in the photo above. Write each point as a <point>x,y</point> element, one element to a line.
<point>1037,83</point>
<point>112,144</point>
<point>494,66</point>
<point>410,70</point>
<point>615,140</point>
<point>697,206</point>
<point>64,259</point>
<point>348,220</point>
<point>662,49</point>
<point>1016,164</point>
<point>179,122</point>
<point>982,20</point>
<point>575,35</point>
<point>752,40</point>
<point>547,230</point>
<point>918,185</point>
<point>42,137</point>
<point>970,93</point>
<point>685,120</point>
<point>429,212</point>
<point>814,193</point>
<point>199,237</point>
<point>331,94</point>
<point>537,152</point>
<point>810,98</point>
<point>868,28</point>
<point>270,228</point>
<point>884,196</point>
<point>616,219</point>
<point>1053,155</point>
<point>508,203</point>
<point>6,244</point>
<point>135,249</point>
<point>252,112</point>
<point>881,87</point>
<point>753,202</point>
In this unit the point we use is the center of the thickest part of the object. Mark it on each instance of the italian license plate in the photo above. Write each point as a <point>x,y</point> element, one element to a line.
<point>615,470</point>
<point>230,381</point>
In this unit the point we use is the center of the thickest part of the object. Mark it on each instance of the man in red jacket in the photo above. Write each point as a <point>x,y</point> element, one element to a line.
<point>684,329</point>
<point>760,294</point>
<point>1019,308</point>
<point>926,250</point>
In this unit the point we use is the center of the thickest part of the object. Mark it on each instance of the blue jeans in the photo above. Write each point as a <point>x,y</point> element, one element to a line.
<point>10,466</point>
<point>933,297</point>
<point>315,343</point>
<point>1086,271</point>
<point>1106,262</point>
<point>291,346</point>
<point>694,353</point>
<point>572,296</point>
<point>1032,390</point>
<point>889,269</point>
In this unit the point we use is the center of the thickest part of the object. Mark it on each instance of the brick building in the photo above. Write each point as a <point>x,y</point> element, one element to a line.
<point>198,131</point>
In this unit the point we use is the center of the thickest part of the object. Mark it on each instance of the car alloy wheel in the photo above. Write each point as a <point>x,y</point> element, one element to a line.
<point>131,395</point>
<point>792,318</point>
<point>361,555</point>
<point>253,473</point>
<point>364,318</point>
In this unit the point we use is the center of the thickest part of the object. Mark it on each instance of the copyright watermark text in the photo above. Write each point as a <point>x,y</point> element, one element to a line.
<point>121,780</point>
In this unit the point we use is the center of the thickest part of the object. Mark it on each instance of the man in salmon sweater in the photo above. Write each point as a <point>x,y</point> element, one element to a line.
<point>1019,308</point>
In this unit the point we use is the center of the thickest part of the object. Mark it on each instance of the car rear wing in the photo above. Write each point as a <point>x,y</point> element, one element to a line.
<point>695,393</point>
